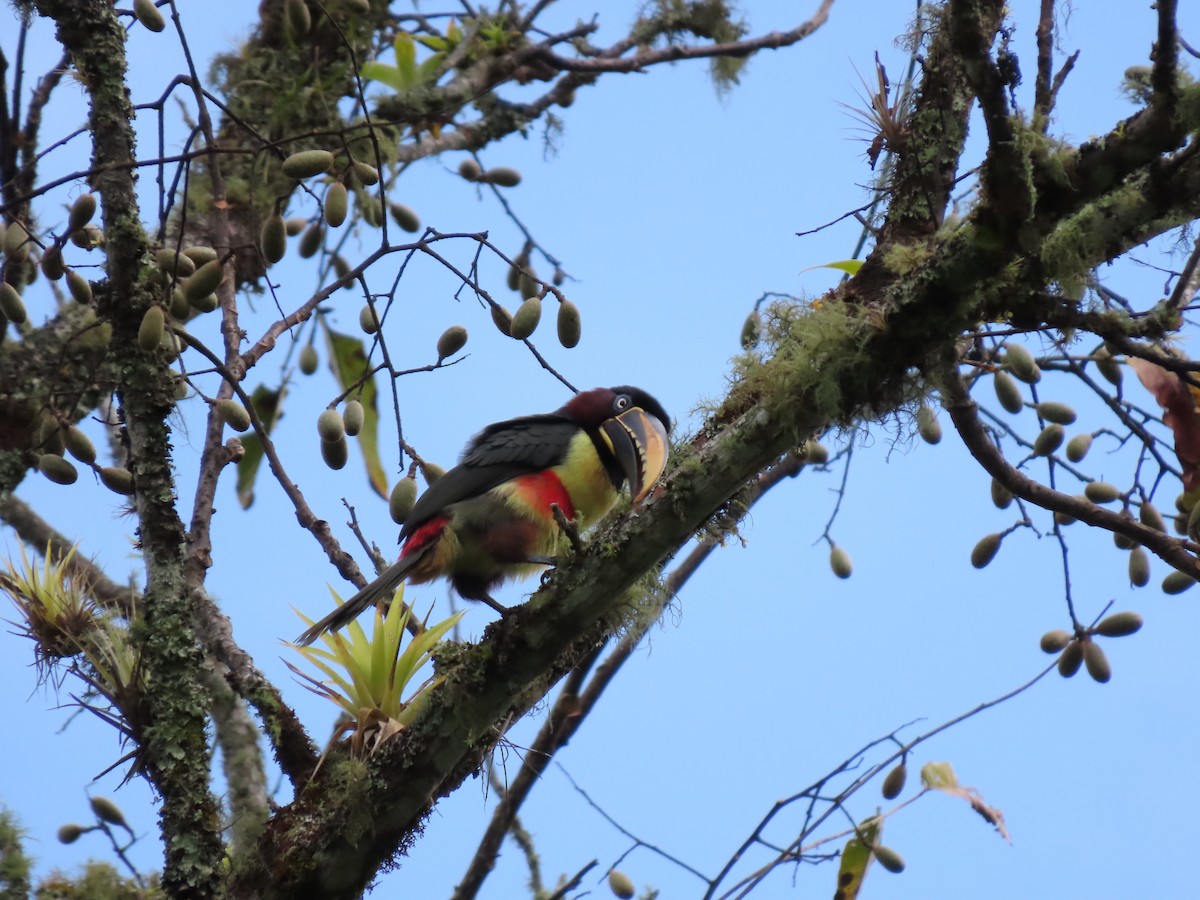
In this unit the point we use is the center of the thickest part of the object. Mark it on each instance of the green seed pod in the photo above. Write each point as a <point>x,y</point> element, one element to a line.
<point>1101,492</point>
<point>527,283</point>
<point>986,549</point>
<point>452,340</point>
<point>1008,392</point>
<point>335,453</point>
<point>295,225</point>
<point>888,858</point>
<point>513,279</point>
<point>927,425</point>
<point>1151,517</point>
<point>52,263</point>
<point>48,436</point>
<point>299,19</point>
<point>233,414</point>
<point>353,416</point>
<point>147,13</point>
<point>570,327</point>
<point>431,472</point>
<point>1185,503</point>
<point>179,307</point>
<point>79,287</point>
<point>16,242</point>
<point>171,344</point>
<point>87,238</point>
<point>79,445</point>
<point>502,319</point>
<point>150,333</point>
<point>181,387</point>
<point>342,268</point>
<point>107,811</point>
<point>1048,441</point>
<point>70,833</point>
<point>309,359</point>
<point>11,304</point>
<point>1054,641</point>
<point>1179,523</point>
<point>1121,542</point>
<point>311,241</point>
<point>81,212</point>
<point>330,426</point>
<point>469,169</point>
<point>57,469</point>
<point>119,481</point>
<point>174,263</point>
<point>620,884</point>
<point>893,782</point>
<point>205,304</point>
<point>1097,663</point>
<point>840,563</point>
<point>1177,582</point>
<point>368,319</point>
<point>402,499</point>
<point>307,163</point>
<point>1071,659</point>
<point>1002,497</point>
<point>206,280</point>
<point>815,453</point>
<point>1139,567</point>
<point>1021,363</point>
<point>1078,446</point>
<point>272,239</point>
<point>1193,523</point>
<point>405,217</point>
<point>365,173</point>
<point>1107,365</point>
<point>337,201</point>
<point>501,176</point>
<point>1053,411</point>
<point>751,329</point>
<point>1119,624</point>
<point>200,255</point>
<point>525,320</point>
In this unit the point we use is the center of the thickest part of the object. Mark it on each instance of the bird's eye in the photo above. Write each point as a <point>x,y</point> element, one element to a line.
<point>621,403</point>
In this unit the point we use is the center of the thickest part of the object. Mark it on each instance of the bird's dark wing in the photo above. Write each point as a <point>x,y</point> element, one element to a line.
<point>500,452</point>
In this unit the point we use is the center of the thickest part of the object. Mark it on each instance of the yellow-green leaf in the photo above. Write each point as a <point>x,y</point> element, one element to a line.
<point>348,359</point>
<point>849,266</point>
<point>267,402</point>
<point>856,857</point>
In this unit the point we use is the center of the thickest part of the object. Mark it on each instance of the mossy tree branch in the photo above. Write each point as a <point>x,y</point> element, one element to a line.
<point>174,749</point>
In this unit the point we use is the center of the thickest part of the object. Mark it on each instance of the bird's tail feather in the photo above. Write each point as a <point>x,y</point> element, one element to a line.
<point>381,589</point>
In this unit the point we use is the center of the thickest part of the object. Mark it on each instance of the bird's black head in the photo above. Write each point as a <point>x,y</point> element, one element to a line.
<point>629,428</point>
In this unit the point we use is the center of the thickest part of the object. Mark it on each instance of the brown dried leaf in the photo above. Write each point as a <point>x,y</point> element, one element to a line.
<point>1178,401</point>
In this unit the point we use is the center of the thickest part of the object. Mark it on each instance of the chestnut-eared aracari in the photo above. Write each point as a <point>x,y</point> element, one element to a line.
<point>490,518</point>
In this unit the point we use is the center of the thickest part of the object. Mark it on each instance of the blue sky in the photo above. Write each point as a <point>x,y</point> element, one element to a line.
<point>675,208</point>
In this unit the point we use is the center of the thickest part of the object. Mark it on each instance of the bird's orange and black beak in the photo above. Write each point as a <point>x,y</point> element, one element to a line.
<point>638,440</point>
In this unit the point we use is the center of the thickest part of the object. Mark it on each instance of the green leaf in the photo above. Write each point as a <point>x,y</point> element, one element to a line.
<point>428,70</point>
<point>856,857</point>
<point>385,74</point>
<point>434,42</point>
<point>849,266</point>
<point>939,776</point>
<point>350,366</point>
<point>406,58</point>
<point>266,403</point>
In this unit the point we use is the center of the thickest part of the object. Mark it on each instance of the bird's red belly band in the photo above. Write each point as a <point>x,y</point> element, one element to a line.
<point>543,488</point>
